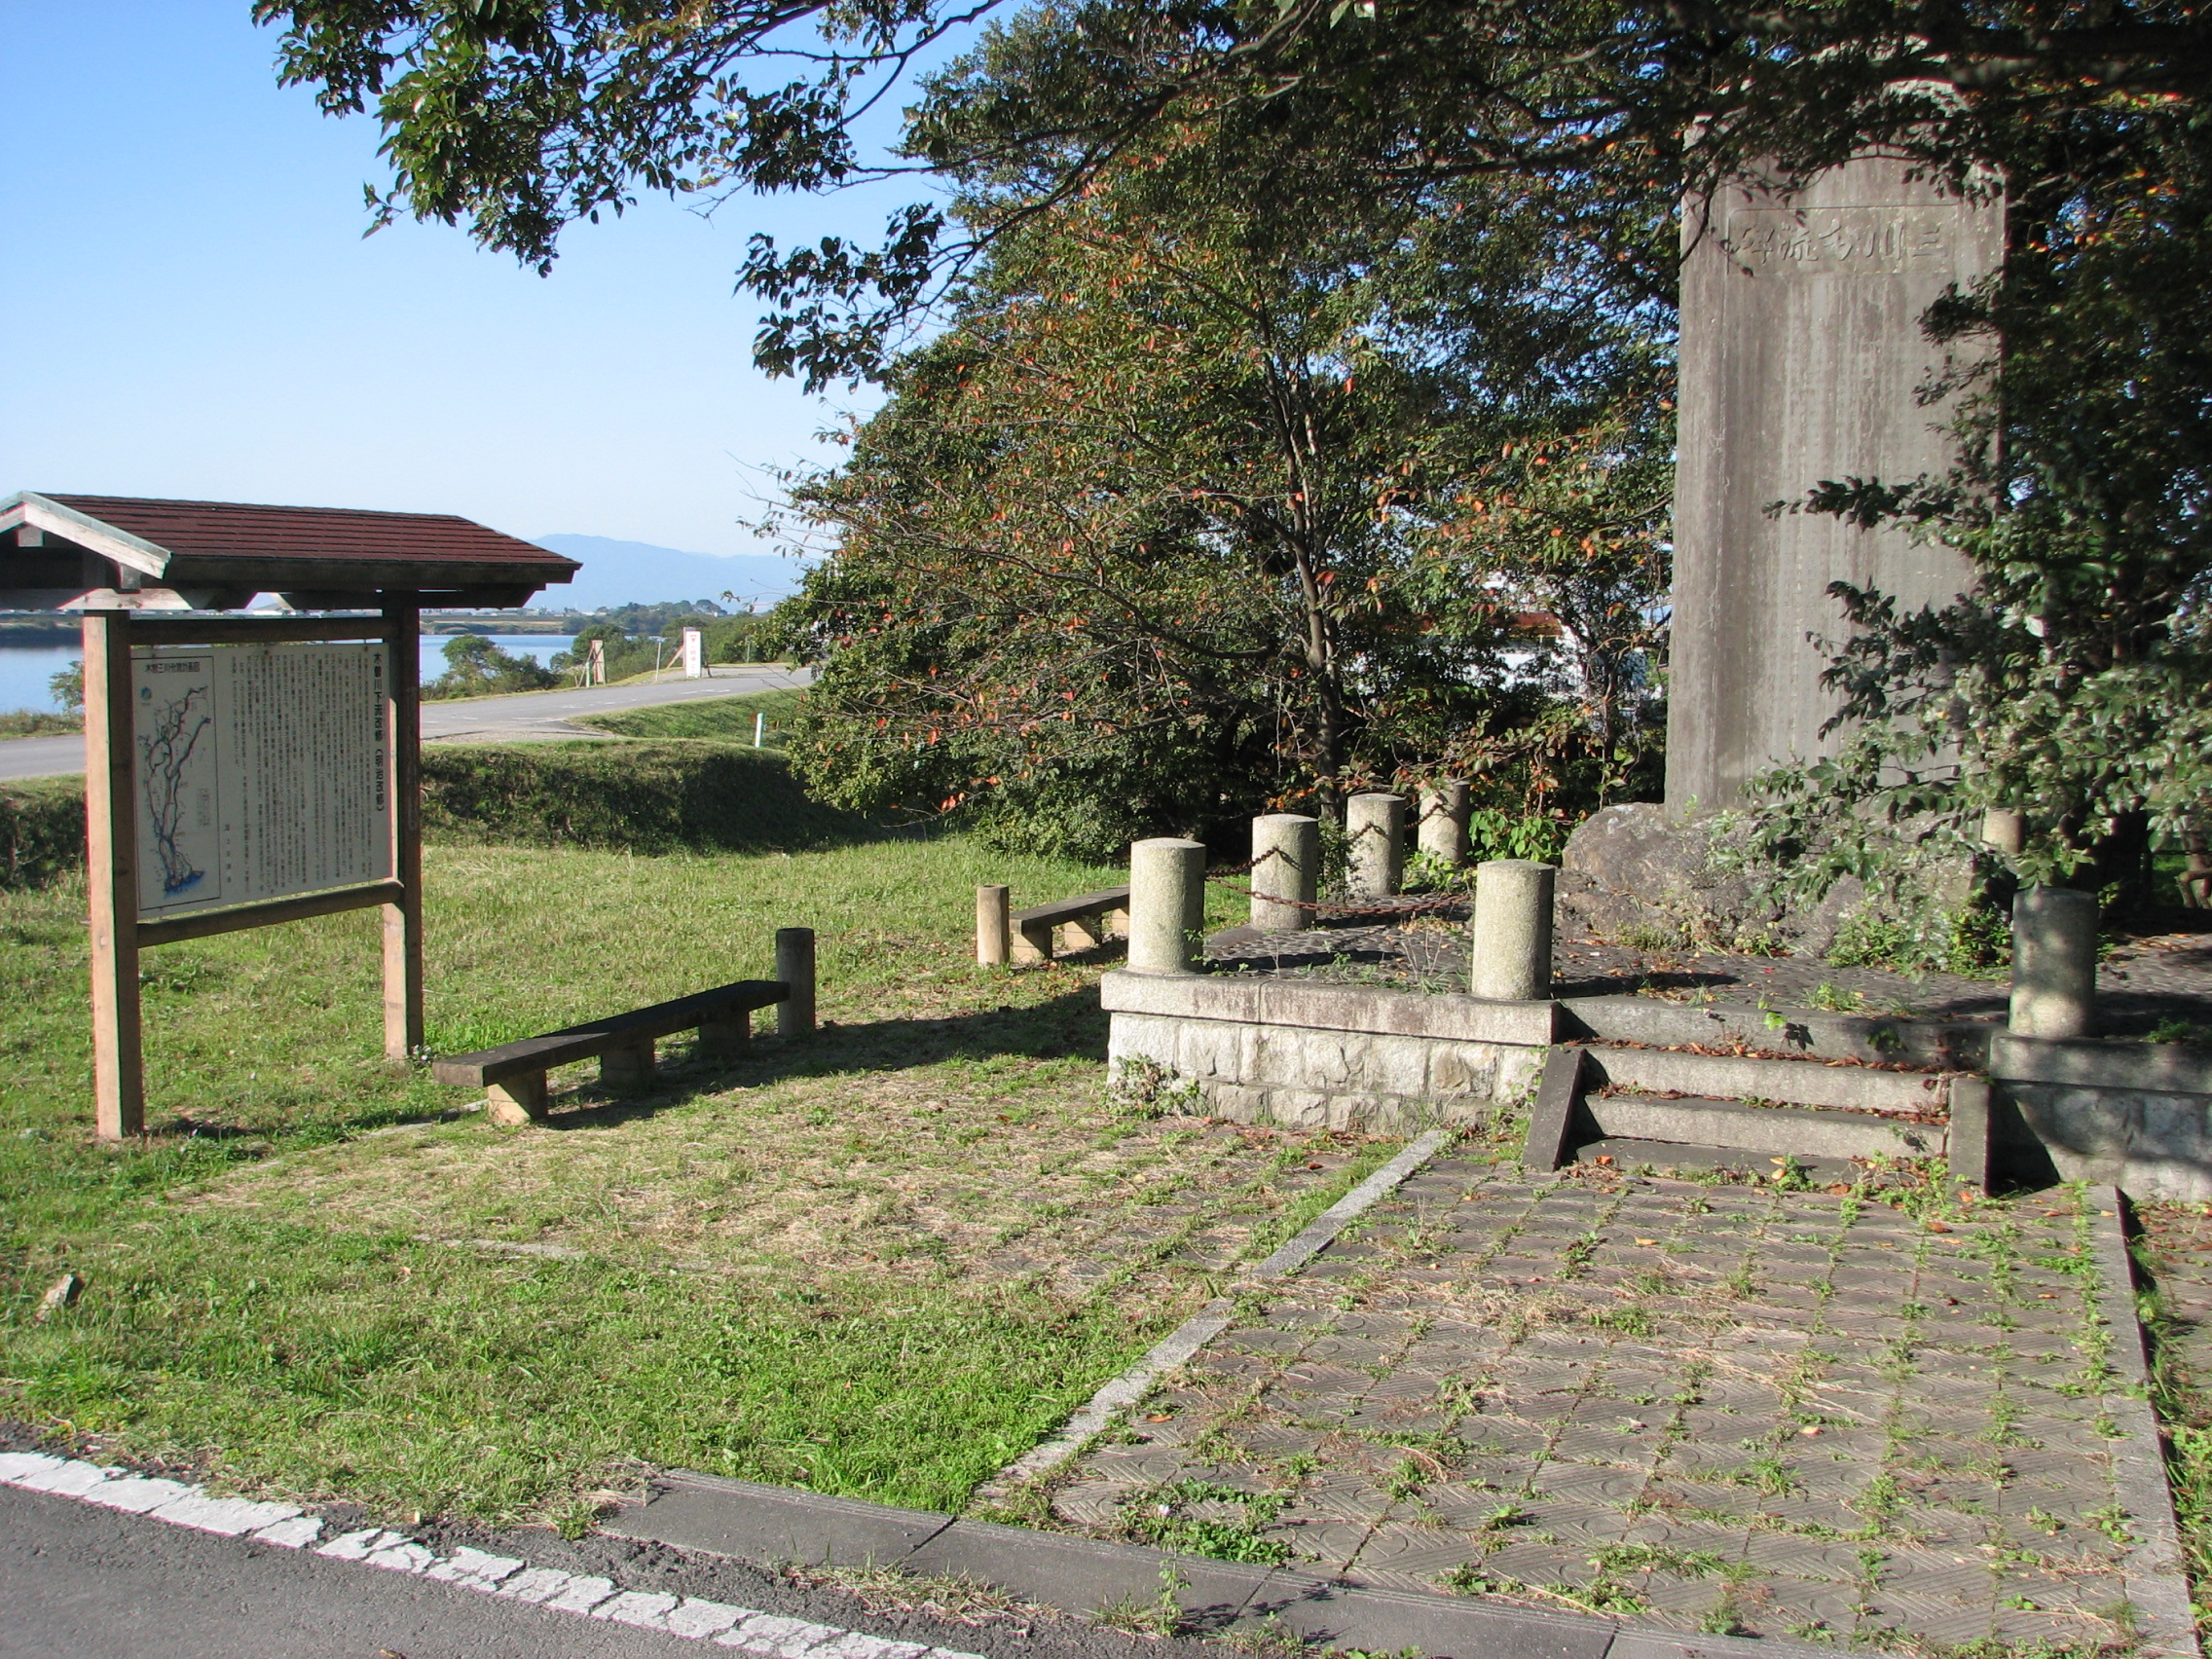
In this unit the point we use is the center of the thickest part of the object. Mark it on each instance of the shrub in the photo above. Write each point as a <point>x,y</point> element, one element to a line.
<point>651,797</point>
<point>42,831</point>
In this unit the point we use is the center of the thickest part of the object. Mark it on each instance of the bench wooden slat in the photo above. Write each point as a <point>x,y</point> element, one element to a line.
<point>1074,910</point>
<point>487,1066</point>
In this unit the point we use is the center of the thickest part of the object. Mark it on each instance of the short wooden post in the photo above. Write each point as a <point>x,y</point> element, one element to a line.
<point>403,919</point>
<point>994,926</point>
<point>111,852</point>
<point>794,966</point>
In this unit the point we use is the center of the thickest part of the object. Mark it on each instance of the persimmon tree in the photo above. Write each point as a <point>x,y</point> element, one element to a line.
<point>1184,515</point>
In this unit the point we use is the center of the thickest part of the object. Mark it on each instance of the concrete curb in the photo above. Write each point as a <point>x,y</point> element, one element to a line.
<point>773,1525</point>
<point>2157,1586</point>
<point>1209,1322</point>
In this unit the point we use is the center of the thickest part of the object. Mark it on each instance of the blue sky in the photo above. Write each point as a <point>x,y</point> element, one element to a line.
<point>190,308</point>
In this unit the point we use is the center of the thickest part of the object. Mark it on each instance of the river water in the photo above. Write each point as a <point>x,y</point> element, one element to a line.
<point>24,670</point>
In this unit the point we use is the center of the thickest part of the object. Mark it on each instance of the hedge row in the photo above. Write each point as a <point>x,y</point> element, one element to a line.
<point>651,797</point>
<point>42,831</point>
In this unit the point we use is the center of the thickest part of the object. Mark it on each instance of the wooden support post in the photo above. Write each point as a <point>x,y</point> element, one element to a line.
<point>627,1065</point>
<point>403,918</point>
<point>1082,932</point>
<point>517,1101</point>
<point>727,1035</point>
<point>993,930</point>
<point>111,862</point>
<point>794,967</point>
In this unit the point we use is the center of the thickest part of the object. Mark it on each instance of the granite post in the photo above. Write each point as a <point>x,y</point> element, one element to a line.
<point>1376,826</point>
<point>1167,904</point>
<point>1443,829</point>
<point>1286,870</point>
<point>2054,963</point>
<point>1510,942</point>
<point>1802,357</point>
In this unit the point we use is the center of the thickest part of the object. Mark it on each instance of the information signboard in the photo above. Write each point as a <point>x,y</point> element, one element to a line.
<point>694,658</point>
<point>261,771</point>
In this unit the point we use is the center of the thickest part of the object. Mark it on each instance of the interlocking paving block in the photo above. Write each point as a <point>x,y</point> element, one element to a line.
<point>1551,1413</point>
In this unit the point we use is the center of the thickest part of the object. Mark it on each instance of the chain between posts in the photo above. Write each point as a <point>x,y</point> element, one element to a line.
<point>1442,902</point>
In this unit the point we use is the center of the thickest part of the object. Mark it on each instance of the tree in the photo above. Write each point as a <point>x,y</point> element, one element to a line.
<point>1195,511</point>
<point>475,667</point>
<point>523,117</point>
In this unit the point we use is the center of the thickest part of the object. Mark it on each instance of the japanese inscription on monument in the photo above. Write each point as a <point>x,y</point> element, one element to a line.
<point>260,772</point>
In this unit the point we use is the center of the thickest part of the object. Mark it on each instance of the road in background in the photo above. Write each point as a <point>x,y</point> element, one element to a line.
<point>528,717</point>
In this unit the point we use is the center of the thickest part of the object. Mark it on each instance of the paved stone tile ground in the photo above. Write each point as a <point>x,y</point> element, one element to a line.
<point>1719,1408</point>
<point>2158,976</point>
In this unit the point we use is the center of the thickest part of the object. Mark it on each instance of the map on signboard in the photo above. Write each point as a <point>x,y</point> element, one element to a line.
<point>261,772</point>
<point>174,719</point>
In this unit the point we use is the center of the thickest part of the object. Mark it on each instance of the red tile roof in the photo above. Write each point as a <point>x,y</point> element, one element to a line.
<point>238,529</point>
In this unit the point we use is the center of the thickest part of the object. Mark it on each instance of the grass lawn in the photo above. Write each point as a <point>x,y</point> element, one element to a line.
<point>729,718</point>
<point>881,1262</point>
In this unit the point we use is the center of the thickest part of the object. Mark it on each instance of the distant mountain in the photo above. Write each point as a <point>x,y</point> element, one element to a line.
<point>637,573</point>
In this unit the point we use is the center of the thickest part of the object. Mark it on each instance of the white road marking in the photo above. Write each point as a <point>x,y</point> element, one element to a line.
<point>766,1635</point>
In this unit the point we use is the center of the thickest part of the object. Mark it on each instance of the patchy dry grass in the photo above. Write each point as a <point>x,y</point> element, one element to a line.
<point>881,1262</point>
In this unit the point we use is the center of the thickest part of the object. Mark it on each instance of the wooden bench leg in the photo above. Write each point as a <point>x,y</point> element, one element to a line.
<point>1085,933</point>
<point>1033,943</point>
<point>628,1065</point>
<point>517,1101</point>
<point>727,1035</point>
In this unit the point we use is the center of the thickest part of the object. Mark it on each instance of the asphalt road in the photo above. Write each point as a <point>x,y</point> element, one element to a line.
<point>87,1582</point>
<point>530,717</point>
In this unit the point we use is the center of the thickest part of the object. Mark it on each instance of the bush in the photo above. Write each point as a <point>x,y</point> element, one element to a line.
<point>42,831</point>
<point>475,667</point>
<point>651,797</point>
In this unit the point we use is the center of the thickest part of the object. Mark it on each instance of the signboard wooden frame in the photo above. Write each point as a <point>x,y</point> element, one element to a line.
<point>111,839</point>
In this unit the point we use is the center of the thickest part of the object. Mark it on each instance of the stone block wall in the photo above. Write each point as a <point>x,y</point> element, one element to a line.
<point>1313,1057</point>
<point>2136,1115</point>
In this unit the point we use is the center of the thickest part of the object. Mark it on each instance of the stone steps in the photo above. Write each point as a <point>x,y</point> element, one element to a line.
<point>1770,1130</point>
<point>1750,1077</point>
<point>1639,1107</point>
<point>1681,1158</point>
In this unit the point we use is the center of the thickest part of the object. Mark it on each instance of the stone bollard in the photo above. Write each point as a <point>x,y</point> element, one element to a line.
<point>1510,943</point>
<point>1167,904</point>
<point>994,925</point>
<point>1443,829</point>
<point>2054,963</point>
<point>2004,830</point>
<point>794,966</point>
<point>1376,826</point>
<point>1286,871</point>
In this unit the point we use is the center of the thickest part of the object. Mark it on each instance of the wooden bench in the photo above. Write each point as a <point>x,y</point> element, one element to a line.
<point>1085,922</point>
<point>513,1074</point>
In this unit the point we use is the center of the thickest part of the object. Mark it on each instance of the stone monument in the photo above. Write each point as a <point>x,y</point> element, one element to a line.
<point>1803,359</point>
